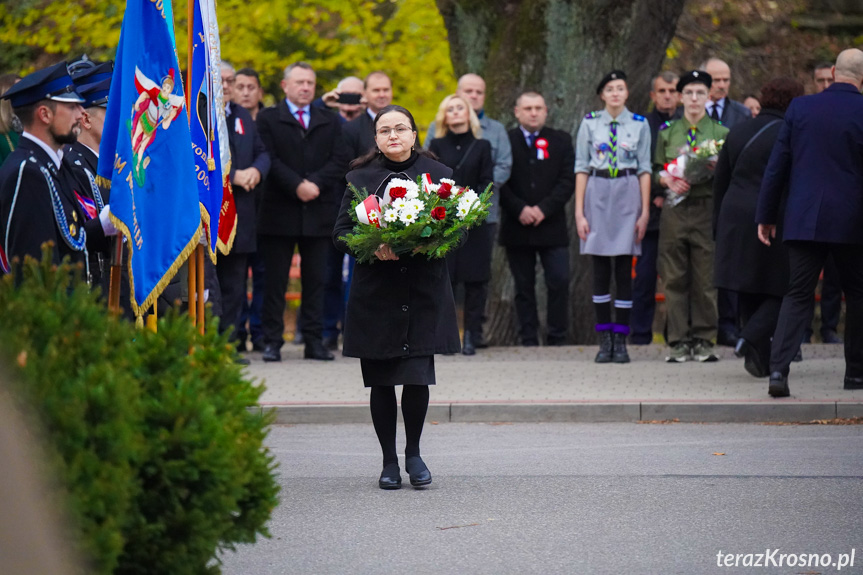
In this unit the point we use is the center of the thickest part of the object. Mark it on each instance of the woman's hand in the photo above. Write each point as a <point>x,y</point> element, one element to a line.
<point>641,226</point>
<point>385,253</point>
<point>582,226</point>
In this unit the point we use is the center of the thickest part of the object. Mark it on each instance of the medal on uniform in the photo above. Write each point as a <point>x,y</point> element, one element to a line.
<point>73,230</point>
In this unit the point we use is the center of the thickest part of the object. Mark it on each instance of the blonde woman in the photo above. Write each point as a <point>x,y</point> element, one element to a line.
<point>458,144</point>
<point>8,135</point>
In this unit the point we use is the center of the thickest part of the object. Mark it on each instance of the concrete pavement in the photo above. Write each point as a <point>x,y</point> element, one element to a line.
<point>562,384</point>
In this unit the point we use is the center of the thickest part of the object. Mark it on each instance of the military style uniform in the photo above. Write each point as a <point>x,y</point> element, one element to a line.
<point>686,238</point>
<point>613,152</point>
<point>38,204</point>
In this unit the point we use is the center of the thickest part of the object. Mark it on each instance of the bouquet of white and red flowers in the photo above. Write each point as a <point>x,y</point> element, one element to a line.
<point>695,165</point>
<point>414,217</point>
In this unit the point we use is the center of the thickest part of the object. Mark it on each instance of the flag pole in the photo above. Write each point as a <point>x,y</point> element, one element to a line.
<point>114,285</point>
<point>200,278</point>
<point>193,257</point>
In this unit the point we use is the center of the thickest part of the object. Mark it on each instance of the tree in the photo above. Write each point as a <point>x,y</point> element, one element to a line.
<point>405,38</point>
<point>560,48</point>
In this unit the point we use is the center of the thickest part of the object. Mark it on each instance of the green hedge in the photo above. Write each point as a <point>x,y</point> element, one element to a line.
<point>162,463</point>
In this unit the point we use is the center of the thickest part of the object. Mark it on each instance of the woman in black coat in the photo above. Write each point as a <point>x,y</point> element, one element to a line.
<point>458,145</point>
<point>400,310</point>
<point>743,264</point>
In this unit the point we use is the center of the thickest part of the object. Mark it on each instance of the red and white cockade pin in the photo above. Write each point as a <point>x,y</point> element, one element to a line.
<point>238,126</point>
<point>542,149</point>
<point>369,211</point>
<point>427,183</point>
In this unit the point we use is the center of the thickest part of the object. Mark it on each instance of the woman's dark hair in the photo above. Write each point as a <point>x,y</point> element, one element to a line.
<point>778,93</point>
<point>367,158</point>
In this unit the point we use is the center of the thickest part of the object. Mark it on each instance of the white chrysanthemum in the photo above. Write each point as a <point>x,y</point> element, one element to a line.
<point>415,206</point>
<point>407,217</point>
<point>412,188</point>
<point>391,216</point>
<point>462,211</point>
<point>399,204</point>
<point>447,181</point>
<point>469,197</point>
<point>374,215</point>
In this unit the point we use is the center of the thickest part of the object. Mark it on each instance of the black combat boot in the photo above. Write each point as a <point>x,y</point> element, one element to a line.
<point>606,348</point>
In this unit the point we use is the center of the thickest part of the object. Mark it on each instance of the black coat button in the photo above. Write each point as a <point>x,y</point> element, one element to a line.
<point>404,270</point>
<point>404,308</point>
<point>406,347</point>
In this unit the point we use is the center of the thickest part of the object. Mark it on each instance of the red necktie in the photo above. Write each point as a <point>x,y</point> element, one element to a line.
<point>300,118</point>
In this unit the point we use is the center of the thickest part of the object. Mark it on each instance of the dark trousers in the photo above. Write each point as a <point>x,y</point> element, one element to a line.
<point>334,293</point>
<point>231,270</point>
<point>727,311</point>
<point>278,252</point>
<point>555,264</point>
<point>759,314</point>
<point>644,290</point>
<point>806,260</point>
<point>251,311</point>
<point>475,298</point>
<point>831,301</point>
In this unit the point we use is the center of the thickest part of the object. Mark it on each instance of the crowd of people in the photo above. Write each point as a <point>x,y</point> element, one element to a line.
<point>791,168</point>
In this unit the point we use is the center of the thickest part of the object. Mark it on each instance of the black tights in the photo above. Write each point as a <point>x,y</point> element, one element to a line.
<point>602,270</point>
<point>415,402</point>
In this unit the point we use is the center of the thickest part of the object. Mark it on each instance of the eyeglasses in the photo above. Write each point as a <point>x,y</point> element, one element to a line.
<point>400,130</point>
<point>696,93</point>
<point>228,80</point>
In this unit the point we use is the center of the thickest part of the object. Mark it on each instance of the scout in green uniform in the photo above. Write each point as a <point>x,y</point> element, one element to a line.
<point>685,230</point>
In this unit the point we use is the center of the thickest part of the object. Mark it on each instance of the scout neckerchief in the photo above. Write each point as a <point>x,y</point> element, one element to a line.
<point>612,160</point>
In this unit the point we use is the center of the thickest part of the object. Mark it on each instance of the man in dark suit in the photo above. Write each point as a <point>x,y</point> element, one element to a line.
<point>729,113</point>
<point>300,202</point>
<point>37,198</point>
<point>819,154</point>
<point>250,164</point>
<point>533,218</point>
<point>359,135</point>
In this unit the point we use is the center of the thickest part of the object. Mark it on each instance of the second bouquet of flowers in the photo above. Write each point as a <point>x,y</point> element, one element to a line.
<point>695,165</point>
<point>420,217</point>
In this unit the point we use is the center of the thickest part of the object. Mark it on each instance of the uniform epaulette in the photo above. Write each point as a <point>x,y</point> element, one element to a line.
<point>664,125</point>
<point>638,118</point>
<point>592,115</point>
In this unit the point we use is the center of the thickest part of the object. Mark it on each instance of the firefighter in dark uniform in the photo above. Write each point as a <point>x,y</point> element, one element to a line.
<point>37,201</point>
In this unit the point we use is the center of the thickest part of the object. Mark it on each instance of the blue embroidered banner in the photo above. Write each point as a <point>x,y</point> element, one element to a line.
<point>209,129</point>
<point>146,152</point>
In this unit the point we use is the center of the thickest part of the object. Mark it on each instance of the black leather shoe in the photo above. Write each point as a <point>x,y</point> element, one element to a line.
<point>755,363</point>
<point>606,348</point>
<point>242,361</point>
<point>258,345</point>
<point>391,477</point>
<point>853,382</point>
<point>317,350</point>
<point>830,336</point>
<point>271,353</point>
<point>619,355</point>
<point>468,348</point>
<point>778,385</point>
<point>419,473</point>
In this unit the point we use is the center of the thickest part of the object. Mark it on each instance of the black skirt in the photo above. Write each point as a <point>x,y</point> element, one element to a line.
<point>398,371</point>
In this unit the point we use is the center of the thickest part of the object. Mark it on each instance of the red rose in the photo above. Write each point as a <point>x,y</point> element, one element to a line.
<point>438,213</point>
<point>397,192</point>
<point>445,190</point>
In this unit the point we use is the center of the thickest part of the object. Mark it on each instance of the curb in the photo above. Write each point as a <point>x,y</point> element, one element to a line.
<point>583,412</point>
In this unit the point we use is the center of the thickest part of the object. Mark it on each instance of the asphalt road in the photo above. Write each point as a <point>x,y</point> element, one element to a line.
<point>568,498</point>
